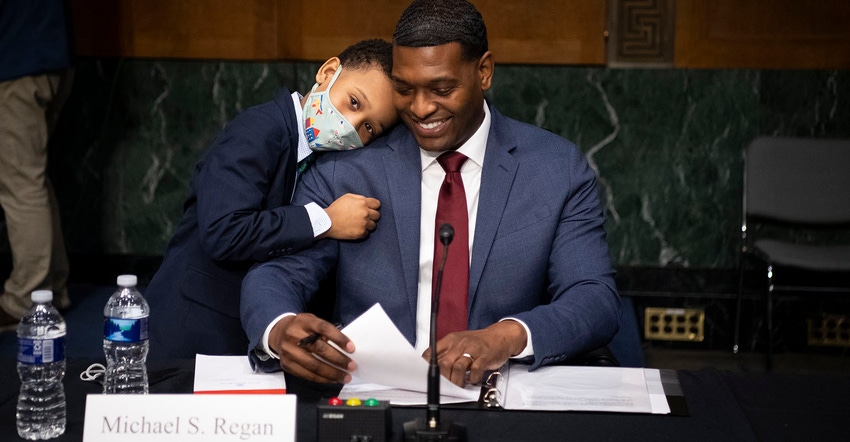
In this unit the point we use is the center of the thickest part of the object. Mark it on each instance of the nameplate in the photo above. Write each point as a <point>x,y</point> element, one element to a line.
<point>186,417</point>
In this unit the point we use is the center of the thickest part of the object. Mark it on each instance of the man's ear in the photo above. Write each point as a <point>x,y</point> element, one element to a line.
<point>485,70</point>
<point>326,72</point>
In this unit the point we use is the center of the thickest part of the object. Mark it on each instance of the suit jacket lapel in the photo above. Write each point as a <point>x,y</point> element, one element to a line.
<point>497,178</point>
<point>404,170</point>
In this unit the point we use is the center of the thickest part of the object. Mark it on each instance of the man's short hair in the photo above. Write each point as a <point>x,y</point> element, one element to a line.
<point>438,22</point>
<point>368,53</point>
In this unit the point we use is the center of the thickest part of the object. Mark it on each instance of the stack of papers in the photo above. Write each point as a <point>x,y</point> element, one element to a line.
<point>233,375</point>
<point>388,364</point>
<point>388,368</point>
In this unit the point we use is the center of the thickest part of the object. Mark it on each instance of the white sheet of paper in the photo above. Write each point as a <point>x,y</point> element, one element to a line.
<point>577,388</point>
<point>384,357</point>
<point>360,389</point>
<point>233,374</point>
<point>657,398</point>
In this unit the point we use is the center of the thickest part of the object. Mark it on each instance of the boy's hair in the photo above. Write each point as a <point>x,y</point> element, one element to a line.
<point>439,22</point>
<point>368,53</point>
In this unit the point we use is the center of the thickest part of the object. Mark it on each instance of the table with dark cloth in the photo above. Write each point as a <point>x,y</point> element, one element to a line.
<point>722,406</point>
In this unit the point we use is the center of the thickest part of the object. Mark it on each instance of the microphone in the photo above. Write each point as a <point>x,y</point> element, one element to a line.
<point>447,234</point>
<point>432,428</point>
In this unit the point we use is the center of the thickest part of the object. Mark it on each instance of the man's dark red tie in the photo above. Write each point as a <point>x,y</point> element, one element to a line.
<point>451,209</point>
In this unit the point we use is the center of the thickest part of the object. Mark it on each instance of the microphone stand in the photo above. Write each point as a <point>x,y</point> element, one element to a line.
<point>432,428</point>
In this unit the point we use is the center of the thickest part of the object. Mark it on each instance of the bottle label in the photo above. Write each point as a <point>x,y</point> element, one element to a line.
<point>41,351</point>
<point>125,330</point>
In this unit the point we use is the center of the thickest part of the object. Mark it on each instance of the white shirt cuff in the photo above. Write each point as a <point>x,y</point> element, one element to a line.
<point>529,345</point>
<point>319,219</point>
<point>265,342</point>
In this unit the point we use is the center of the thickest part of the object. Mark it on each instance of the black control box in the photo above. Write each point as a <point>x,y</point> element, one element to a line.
<point>352,421</point>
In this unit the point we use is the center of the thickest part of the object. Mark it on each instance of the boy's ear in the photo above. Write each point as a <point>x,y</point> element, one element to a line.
<point>326,72</point>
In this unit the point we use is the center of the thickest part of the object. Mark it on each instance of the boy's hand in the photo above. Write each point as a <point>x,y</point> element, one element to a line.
<point>352,217</point>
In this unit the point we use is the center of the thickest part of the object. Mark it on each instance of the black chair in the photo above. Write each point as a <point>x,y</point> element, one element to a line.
<point>601,357</point>
<point>797,192</point>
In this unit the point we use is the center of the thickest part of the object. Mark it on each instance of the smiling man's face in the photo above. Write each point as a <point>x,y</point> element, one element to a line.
<point>439,94</point>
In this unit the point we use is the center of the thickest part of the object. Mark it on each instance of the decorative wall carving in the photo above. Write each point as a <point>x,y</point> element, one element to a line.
<point>641,32</point>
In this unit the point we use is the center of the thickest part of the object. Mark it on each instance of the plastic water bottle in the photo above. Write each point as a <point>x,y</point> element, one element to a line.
<point>125,339</point>
<point>41,367</point>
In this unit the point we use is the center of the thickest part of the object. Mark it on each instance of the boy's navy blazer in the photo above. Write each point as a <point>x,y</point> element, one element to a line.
<point>238,213</point>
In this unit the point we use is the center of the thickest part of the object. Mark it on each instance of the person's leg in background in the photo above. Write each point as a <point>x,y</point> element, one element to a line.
<point>29,107</point>
<point>59,267</point>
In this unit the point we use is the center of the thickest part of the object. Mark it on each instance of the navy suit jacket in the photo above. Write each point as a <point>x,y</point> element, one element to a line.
<point>539,252</point>
<point>237,214</point>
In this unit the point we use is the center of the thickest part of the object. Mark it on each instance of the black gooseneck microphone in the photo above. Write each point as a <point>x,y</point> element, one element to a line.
<point>432,428</point>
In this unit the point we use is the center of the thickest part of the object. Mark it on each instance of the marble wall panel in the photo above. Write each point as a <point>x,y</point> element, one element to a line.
<point>132,132</point>
<point>666,143</point>
<point>805,103</point>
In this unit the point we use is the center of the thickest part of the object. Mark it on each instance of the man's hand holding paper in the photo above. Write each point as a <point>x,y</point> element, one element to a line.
<point>384,357</point>
<point>299,339</point>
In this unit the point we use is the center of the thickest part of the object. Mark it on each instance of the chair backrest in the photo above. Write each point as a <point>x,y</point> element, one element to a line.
<point>798,180</point>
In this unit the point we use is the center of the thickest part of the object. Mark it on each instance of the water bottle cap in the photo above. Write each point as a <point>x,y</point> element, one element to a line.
<point>127,280</point>
<point>42,296</point>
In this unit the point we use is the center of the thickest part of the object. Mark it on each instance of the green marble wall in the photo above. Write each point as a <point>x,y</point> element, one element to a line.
<point>129,138</point>
<point>666,142</point>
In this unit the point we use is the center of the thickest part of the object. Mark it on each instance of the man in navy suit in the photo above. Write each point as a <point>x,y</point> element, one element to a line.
<point>540,279</point>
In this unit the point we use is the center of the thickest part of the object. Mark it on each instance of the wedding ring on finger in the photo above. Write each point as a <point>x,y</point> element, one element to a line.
<point>468,356</point>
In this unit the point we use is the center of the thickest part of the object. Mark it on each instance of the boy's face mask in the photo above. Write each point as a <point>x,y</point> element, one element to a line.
<point>326,128</point>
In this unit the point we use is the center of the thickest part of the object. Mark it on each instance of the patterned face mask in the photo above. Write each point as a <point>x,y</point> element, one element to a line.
<point>326,128</point>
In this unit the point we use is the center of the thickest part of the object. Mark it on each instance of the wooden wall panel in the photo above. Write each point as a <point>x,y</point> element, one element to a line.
<point>709,34</point>
<point>326,27</point>
<point>546,31</point>
<point>543,32</point>
<point>224,29</point>
<point>763,34</point>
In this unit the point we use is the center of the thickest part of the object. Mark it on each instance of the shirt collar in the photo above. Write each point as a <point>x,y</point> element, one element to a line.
<point>303,148</point>
<point>474,148</point>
